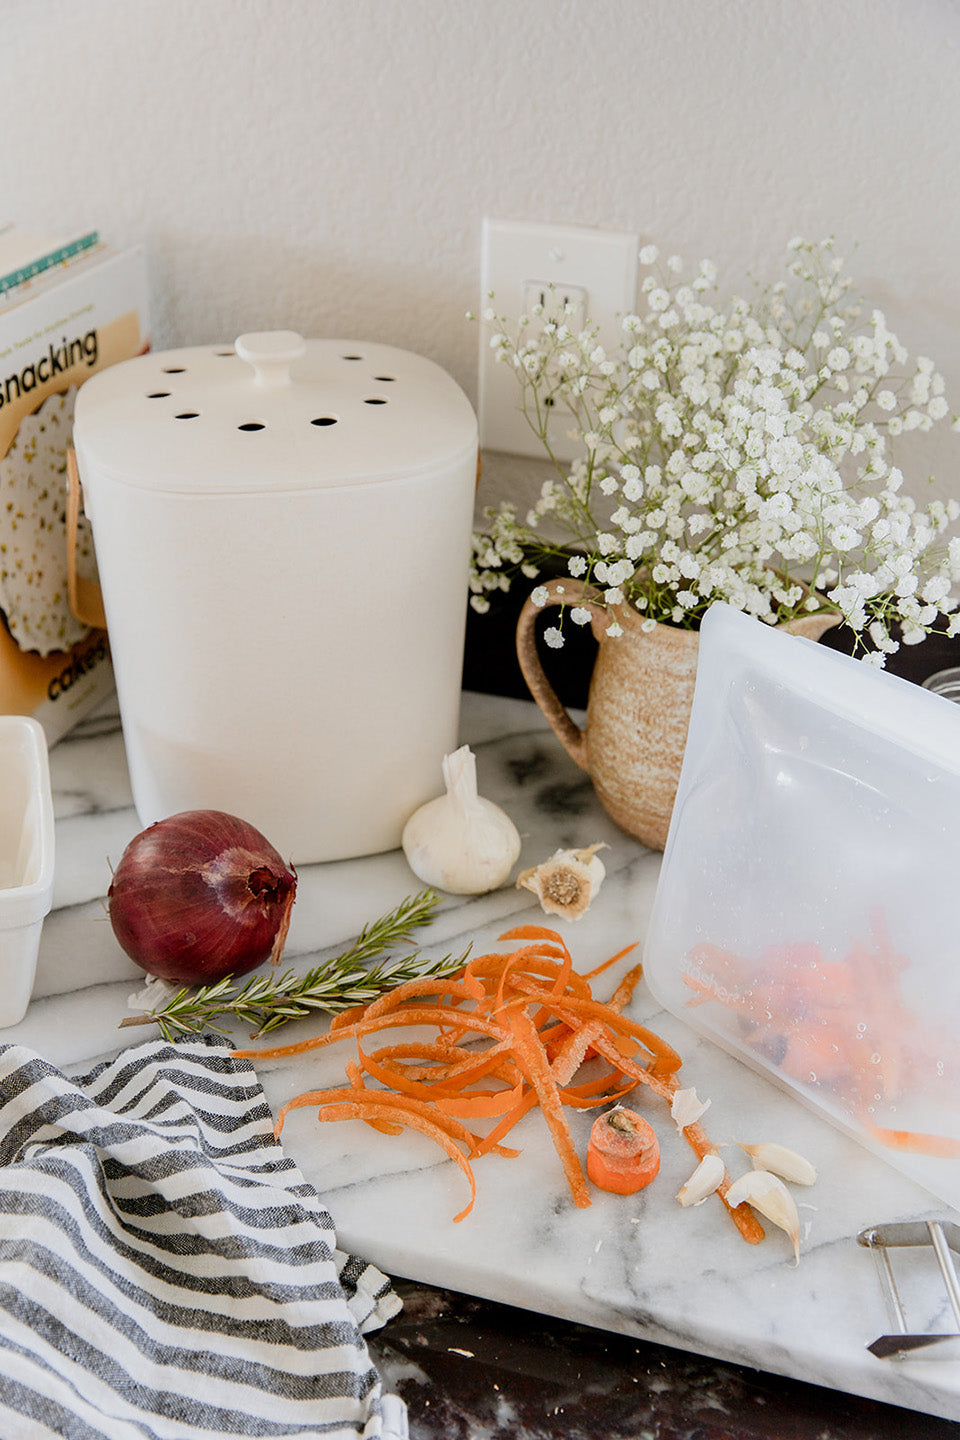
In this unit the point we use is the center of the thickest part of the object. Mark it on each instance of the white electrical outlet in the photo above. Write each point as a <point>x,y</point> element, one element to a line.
<point>594,271</point>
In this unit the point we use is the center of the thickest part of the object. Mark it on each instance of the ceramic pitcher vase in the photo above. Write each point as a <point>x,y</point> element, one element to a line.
<point>638,711</point>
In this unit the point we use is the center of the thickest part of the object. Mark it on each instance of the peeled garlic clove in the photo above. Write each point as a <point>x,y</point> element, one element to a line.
<point>460,842</point>
<point>703,1182</point>
<point>686,1108</point>
<point>767,1193</point>
<point>780,1161</point>
<point>567,882</point>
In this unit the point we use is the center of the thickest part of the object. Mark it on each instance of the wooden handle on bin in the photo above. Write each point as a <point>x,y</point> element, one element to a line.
<point>86,597</point>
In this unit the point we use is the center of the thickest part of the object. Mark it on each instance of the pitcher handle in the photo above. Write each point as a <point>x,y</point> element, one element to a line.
<point>559,592</point>
<point>86,597</point>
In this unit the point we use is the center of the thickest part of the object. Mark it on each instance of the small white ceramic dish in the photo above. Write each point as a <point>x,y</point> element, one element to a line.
<point>26,859</point>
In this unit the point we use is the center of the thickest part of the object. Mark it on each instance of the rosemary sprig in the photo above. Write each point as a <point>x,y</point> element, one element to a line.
<point>267,1001</point>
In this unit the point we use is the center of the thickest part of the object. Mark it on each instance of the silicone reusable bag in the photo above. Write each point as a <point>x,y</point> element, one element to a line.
<point>806,912</point>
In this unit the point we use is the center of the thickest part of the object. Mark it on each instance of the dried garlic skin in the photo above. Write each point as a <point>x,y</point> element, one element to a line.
<point>780,1161</point>
<point>566,883</point>
<point>705,1180</point>
<point>767,1193</point>
<point>686,1108</point>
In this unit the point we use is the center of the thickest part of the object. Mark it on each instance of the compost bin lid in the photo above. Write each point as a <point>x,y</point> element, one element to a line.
<point>271,413</point>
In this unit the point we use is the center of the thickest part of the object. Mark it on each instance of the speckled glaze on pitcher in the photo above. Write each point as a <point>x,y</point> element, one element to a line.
<point>638,711</point>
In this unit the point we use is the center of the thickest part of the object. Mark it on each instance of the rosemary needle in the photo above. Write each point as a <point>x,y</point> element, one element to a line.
<point>267,1001</point>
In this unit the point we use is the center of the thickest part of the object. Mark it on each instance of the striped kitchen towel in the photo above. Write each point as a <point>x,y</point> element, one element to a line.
<point>166,1272</point>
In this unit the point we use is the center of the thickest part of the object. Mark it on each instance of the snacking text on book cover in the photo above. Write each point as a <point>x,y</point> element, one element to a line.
<point>54,665</point>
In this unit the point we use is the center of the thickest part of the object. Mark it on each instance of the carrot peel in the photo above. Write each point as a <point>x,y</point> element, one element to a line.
<point>533,1058</point>
<point>512,1033</point>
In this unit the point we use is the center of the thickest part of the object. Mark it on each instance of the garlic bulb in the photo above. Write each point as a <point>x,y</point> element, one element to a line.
<point>567,882</point>
<point>460,842</point>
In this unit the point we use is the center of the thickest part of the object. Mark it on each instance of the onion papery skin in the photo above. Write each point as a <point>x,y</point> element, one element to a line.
<point>201,895</point>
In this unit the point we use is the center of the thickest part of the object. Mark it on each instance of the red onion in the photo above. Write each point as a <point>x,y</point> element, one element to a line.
<point>201,895</point>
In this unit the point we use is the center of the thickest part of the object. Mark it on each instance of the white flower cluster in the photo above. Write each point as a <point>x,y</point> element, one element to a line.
<point>738,454</point>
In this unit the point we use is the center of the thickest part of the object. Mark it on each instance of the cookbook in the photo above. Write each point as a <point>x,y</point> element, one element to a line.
<point>56,332</point>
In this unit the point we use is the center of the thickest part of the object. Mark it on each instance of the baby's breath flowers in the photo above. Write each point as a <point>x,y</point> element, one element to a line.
<point>737,453</point>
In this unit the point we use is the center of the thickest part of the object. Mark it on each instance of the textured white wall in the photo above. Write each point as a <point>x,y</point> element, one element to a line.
<point>325,164</point>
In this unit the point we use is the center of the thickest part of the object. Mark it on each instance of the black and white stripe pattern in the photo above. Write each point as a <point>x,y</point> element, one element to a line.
<point>165,1270</point>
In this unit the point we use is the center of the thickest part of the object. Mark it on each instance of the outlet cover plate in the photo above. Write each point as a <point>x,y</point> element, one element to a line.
<point>600,266</point>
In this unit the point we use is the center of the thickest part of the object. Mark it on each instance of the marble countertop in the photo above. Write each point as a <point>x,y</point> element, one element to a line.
<point>645,1307</point>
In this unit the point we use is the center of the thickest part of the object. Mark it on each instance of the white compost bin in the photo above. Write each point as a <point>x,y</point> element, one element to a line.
<point>282,530</point>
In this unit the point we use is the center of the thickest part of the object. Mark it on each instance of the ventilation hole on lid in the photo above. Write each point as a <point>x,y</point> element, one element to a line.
<point>351,357</point>
<point>174,369</point>
<point>158,394</point>
<point>188,415</point>
<point>375,400</point>
<point>224,352</point>
<point>324,420</point>
<point>252,425</point>
<point>387,379</point>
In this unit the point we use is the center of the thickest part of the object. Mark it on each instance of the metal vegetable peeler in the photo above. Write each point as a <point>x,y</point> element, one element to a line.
<point>944,1237</point>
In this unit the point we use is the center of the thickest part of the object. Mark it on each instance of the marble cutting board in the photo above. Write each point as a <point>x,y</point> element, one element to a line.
<point>640,1265</point>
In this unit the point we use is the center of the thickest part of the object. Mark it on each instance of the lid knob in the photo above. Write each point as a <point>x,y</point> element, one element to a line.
<point>271,353</point>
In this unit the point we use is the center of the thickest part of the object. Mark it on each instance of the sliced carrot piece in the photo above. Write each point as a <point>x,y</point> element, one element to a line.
<point>361,1110</point>
<point>606,964</point>
<point>623,1153</point>
<point>400,994</point>
<point>943,1146</point>
<point>607,1047</point>
<point>696,1137</point>
<point>347,1017</point>
<point>534,932</point>
<point>523,1107</point>
<point>533,957</point>
<point>385,1103</point>
<point>415,1015</point>
<point>533,1059</point>
<point>578,1097</point>
<point>667,1059</point>
<point>472,1066</point>
<point>448,1100</point>
<point>534,961</point>
<point>479,1105</point>
<point>519,960</point>
<point>512,1033</point>
<point>623,994</point>
<point>355,1076</point>
<point>570,1054</point>
<point>597,1092</point>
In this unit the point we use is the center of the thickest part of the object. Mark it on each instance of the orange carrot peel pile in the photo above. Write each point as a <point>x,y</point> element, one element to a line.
<point>514,1031</point>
